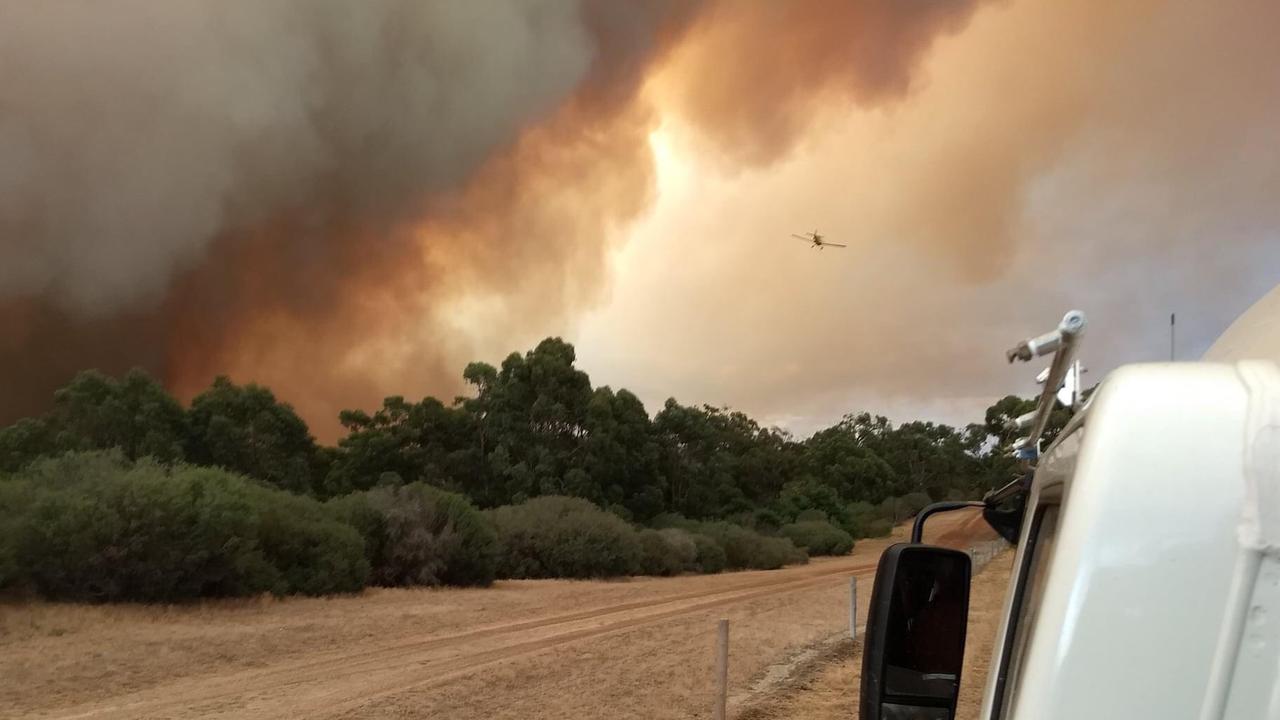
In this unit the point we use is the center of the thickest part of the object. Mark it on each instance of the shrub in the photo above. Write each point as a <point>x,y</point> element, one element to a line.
<point>890,508</point>
<point>776,552</point>
<point>710,557</point>
<point>811,515</point>
<point>621,511</point>
<point>740,548</point>
<point>684,546</point>
<point>314,553</point>
<point>673,520</point>
<point>860,517</point>
<point>878,527</point>
<point>764,519</point>
<point>100,529</point>
<point>658,556</point>
<point>747,549</point>
<point>15,498</point>
<point>77,469</point>
<point>861,509</point>
<point>818,537</point>
<point>903,507</point>
<point>554,536</point>
<point>137,534</point>
<point>911,504</point>
<point>420,535</point>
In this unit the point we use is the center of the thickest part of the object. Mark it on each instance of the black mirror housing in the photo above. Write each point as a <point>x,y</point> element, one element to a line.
<point>914,643</point>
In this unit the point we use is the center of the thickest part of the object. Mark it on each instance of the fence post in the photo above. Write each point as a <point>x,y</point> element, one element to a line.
<point>722,670</point>
<point>853,608</point>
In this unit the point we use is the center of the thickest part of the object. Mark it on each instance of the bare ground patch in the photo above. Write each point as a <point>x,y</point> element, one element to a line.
<point>826,687</point>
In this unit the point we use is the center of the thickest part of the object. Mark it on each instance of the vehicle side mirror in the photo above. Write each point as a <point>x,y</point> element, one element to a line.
<point>914,644</point>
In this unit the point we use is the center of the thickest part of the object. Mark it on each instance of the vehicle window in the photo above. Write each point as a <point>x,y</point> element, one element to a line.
<point>1034,575</point>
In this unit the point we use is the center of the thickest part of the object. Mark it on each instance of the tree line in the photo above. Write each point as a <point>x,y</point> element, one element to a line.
<point>535,473</point>
<point>533,426</point>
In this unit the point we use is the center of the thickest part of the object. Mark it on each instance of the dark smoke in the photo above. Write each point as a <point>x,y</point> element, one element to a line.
<point>298,192</point>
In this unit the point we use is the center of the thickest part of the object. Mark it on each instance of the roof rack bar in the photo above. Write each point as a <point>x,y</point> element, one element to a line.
<point>1062,343</point>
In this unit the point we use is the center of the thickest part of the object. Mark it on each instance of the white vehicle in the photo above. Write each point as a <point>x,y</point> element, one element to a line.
<point>1146,582</point>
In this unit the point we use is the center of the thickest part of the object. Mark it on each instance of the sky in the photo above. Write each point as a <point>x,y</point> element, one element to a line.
<point>345,202</point>
<point>1152,192</point>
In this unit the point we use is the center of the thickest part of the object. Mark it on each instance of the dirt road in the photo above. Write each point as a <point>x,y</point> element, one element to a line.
<point>830,689</point>
<point>529,649</point>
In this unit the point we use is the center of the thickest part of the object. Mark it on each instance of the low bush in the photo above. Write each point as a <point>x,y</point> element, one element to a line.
<point>709,557</point>
<point>73,470</point>
<point>891,509</point>
<point>811,515</point>
<point>137,534</point>
<point>98,528</point>
<point>764,520</point>
<point>860,515</point>
<point>818,537</point>
<point>912,503</point>
<point>878,527</point>
<point>684,546</point>
<point>748,550</point>
<point>15,498</point>
<point>660,556</point>
<point>314,553</point>
<point>673,520</point>
<point>903,507</point>
<point>552,536</point>
<point>740,548</point>
<point>419,535</point>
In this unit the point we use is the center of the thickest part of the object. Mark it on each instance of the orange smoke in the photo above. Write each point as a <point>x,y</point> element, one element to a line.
<point>377,278</point>
<point>532,228</point>
<point>751,77</point>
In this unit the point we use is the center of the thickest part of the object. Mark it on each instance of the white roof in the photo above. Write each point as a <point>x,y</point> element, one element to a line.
<point>1153,490</point>
<point>1255,335</point>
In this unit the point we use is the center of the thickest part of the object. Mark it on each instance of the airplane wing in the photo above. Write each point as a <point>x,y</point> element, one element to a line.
<point>831,244</point>
<point>801,237</point>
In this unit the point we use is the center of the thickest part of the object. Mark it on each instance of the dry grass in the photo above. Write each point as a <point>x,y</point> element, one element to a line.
<point>830,691</point>
<point>530,649</point>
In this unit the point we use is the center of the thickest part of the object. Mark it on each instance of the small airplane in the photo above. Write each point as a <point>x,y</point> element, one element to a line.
<point>815,240</point>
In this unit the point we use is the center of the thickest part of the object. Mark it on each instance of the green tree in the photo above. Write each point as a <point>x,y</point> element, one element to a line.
<point>999,435</point>
<point>719,462</point>
<point>924,456</point>
<point>98,412</point>
<point>531,417</point>
<point>808,495</point>
<point>1000,416</point>
<point>243,428</point>
<point>619,463</point>
<point>25,441</point>
<point>418,442</point>
<point>839,456</point>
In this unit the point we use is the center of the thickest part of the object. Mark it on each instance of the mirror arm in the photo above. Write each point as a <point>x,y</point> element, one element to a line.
<point>1014,488</point>
<point>917,530</point>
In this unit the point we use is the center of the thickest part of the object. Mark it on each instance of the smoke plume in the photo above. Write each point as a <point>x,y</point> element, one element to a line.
<point>344,200</point>
<point>1119,157</point>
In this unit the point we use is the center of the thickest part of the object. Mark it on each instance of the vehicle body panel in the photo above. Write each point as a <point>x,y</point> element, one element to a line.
<point>1151,486</point>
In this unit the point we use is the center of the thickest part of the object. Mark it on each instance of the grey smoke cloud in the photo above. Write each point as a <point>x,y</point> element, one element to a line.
<point>201,187</point>
<point>132,133</point>
<point>305,192</point>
